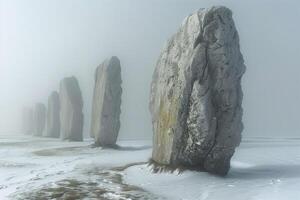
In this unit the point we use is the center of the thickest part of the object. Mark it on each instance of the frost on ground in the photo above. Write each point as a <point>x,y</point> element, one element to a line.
<point>262,169</point>
<point>40,168</point>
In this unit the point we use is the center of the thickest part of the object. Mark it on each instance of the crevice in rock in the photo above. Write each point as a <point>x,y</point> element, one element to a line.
<point>221,20</point>
<point>204,99</point>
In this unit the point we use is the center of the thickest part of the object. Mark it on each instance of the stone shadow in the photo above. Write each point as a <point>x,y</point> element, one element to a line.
<point>275,171</point>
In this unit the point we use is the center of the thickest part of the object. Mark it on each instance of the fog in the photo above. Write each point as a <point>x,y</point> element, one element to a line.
<point>43,41</point>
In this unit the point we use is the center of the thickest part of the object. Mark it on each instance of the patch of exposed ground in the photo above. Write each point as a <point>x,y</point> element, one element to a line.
<point>96,184</point>
<point>57,151</point>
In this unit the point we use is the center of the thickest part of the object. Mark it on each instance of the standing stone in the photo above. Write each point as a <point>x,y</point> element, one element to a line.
<point>196,94</point>
<point>53,122</point>
<point>27,121</point>
<point>71,116</point>
<point>39,119</point>
<point>106,108</point>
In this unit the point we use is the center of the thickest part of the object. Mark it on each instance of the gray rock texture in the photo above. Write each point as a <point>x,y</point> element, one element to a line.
<point>53,121</point>
<point>196,94</point>
<point>39,117</point>
<point>105,124</point>
<point>71,116</point>
<point>27,121</point>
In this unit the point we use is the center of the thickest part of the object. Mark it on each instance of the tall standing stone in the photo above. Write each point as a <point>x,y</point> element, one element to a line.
<point>39,119</point>
<point>71,116</point>
<point>53,121</point>
<point>196,94</point>
<point>106,108</point>
<point>27,121</point>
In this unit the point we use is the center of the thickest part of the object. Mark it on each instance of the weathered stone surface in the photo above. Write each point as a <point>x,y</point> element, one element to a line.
<point>53,121</point>
<point>196,94</point>
<point>105,124</point>
<point>71,116</point>
<point>27,121</point>
<point>39,119</point>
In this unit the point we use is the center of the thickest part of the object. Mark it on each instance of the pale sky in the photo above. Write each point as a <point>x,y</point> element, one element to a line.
<point>42,41</point>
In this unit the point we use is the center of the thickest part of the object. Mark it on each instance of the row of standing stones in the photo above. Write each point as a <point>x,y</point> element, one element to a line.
<point>195,99</point>
<point>64,117</point>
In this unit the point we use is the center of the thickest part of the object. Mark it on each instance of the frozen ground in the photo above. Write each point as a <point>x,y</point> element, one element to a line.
<point>39,168</point>
<point>262,169</point>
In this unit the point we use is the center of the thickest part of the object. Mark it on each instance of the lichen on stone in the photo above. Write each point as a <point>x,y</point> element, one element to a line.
<point>196,93</point>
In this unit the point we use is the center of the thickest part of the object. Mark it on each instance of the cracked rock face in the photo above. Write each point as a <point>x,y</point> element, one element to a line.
<point>53,122</point>
<point>71,116</point>
<point>196,94</point>
<point>27,120</point>
<point>106,109</point>
<point>39,117</point>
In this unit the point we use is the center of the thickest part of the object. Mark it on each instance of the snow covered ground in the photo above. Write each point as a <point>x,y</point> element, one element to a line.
<point>262,169</point>
<point>41,168</point>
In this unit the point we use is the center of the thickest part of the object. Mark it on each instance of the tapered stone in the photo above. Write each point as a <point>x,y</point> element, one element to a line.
<point>39,119</point>
<point>53,119</point>
<point>106,108</point>
<point>196,94</point>
<point>71,116</point>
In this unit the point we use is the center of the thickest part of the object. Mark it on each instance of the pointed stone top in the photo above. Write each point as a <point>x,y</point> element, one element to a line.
<point>73,90</point>
<point>54,93</point>
<point>112,62</point>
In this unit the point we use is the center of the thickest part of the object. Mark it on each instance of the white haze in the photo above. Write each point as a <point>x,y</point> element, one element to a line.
<point>43,41</point>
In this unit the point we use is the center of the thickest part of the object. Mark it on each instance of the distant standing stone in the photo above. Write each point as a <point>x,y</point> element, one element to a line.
<point>27,121</point>
<point>196,94</point>
<point>71,116</point>
<point>39,119</point>
<point>53,121</point>
<point>105,124</point>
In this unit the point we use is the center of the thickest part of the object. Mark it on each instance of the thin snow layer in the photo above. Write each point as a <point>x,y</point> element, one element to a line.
<point>262,169</point>
<point>28,164</point>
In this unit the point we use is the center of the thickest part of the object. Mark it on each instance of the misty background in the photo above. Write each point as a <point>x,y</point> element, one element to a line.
<point>43,41</point>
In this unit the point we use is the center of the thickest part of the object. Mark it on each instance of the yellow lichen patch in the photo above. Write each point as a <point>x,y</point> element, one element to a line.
<point>165,131</point>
